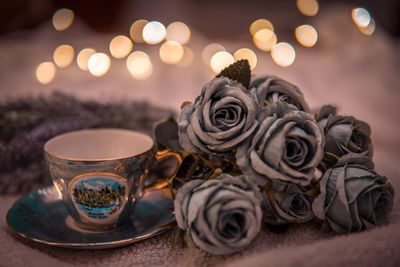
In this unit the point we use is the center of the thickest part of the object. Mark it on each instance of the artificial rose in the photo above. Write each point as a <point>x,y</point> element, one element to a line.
<point>343,135</point>
<point>286,202</point>
<point>269,89</point>
<point>353,197</point>
<point>220,119</point>
<point>221,215</point>
<point>288,145</point>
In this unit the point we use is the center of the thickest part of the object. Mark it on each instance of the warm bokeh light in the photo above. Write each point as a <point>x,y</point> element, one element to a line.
<point>63,55</point>
<point>361,17</point>
<point>120,46</point>
<point>220,61</point>
<point>45,72</point>
<point>171,52</point>
<point>62,19</point>
<point>139,65</point>
<point>178,31</point>
<point>306,35</point>
<point>154,32</point>
<point>308,7</point>
<point>209,51</point>
<point>83,58</point>
<point>265,39</point>
<point>246,53</point>
<point>99,64</point>
<point>187,59</point>
<point>259,25</point>
<point>370,29</point>
<point>136,30</point>
<point>283,54</point>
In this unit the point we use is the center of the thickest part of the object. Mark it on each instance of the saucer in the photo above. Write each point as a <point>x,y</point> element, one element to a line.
<point>41,216</point>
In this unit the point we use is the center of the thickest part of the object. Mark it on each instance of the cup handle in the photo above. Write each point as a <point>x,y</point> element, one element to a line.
<point>162,183</point>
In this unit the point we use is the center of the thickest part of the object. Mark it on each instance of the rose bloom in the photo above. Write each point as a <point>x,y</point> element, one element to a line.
<point>288,145</point>
<point>286,202</point>
<point>269,89</point>
<point>221,215</point>
<point>221,118</point>
<point>353,196</point>
<point>343,135</point>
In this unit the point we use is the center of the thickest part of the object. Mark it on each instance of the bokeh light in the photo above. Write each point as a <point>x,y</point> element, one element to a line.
<point>306,35</point>
<point>361,17</point>
<point>136,30</point>
<point>99,64</point>
<point>265,39</point>
<point>63,55</point>
<point>246,53</point>
<point>209,51</point>
<point>220,61</point>
<point>45,72</point>
<point>120,46</point>
<point>308,7</point>
<point>83,58</point>
<point>62,19</point>
<point>154,32</point>
<point>188,57</point>
<point>283,54</point>
<point>259,25</point>
<point>178,31</point>
<point>370,29</point>
<point>171,52</point>
<point>139,65</point>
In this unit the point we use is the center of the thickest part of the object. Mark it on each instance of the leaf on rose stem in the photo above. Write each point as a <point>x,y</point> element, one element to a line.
<point>166,134</point>
<point>238,71</point>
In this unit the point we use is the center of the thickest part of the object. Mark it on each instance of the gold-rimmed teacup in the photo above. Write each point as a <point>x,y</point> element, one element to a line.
<point>100,173</point>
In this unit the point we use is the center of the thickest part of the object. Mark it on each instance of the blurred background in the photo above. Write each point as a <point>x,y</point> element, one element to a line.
<point>338,52</point>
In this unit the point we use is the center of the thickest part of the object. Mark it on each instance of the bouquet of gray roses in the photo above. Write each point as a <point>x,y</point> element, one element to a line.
<point>255,155</point>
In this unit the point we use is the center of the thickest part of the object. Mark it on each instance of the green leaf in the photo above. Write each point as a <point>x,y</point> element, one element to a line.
<point>238,71</point>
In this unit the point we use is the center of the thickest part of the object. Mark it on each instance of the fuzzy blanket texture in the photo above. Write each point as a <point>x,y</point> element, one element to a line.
<point>355,72</point>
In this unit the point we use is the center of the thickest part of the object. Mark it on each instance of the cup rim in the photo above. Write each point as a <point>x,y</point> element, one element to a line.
<point>82,159</point>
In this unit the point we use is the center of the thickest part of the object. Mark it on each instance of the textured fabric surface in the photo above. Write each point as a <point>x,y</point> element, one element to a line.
<point>355,72</point>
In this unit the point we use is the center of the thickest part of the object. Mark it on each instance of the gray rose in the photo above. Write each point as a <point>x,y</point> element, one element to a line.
<point>221,215</point>
<point>343,135</point>
<point>270,89</point>
<point>286,202</point>
<point>288,145</point>
<point>353,197</point>
<point>220,119</point>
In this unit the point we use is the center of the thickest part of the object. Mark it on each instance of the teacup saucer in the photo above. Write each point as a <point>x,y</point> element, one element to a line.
<point>42,217</point>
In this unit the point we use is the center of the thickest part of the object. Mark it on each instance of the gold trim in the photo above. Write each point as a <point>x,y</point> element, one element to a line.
<point>98,160</point>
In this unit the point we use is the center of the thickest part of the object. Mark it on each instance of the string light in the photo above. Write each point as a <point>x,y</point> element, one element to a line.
<point>136,30</point>
<point>45,72</point>
<point>187,59</point>
<point>178,31</point>
<point>154,32</point>
<point>283,54</point>
<point>265,39</point>
<point>171,52</point>
<point>120,46</point>
<point>259,25</point>
<point>220,61</point>
<point>361,17</point>
<point>83,58</point>
<point>99,64</point>
<point>308,7</point>
<point>63,55</point>
<point>62,19</point>
<point>209,51</point>
<point>139,65</point>
<point>370,29</point>
<point>246,53</point>
<point>306,35</point>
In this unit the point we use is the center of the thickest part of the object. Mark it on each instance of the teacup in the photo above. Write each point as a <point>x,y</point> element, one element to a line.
<point>100,173</point>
